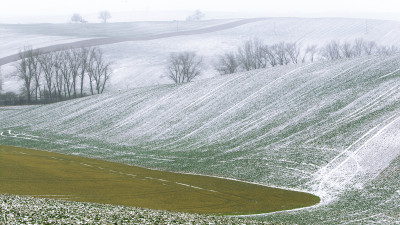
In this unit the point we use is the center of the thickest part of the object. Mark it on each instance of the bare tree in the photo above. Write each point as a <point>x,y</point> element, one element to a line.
<point>311,51</point>
<point>28,71</point>
<point>58,79</point>
<point>48,64</point>
<point>387,50</point>
<point>270,52</point>
<point>370,47</point>
<point>252,55</point>
<point>281,54</point>
<point>73,59</point>
<point>99,70</point>
<point>331,51</point>
<point>293,51</point>
<point>227,63</point>
<point>65,73</point>
<point>91,71</point>
<point>33,60</point>
<point>184,67</point>
<point>84,58</point>
<point>358,47</point>
<point>346,50</point>
<point>104,16</point>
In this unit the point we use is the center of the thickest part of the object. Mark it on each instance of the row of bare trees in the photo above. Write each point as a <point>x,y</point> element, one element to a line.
<point>359,47</point>
<point>62,75</point>
<point>254,54</point>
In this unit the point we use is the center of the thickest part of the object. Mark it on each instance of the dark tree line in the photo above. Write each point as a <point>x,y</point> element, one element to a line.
<point>62,75</point>
<point>254,54</point>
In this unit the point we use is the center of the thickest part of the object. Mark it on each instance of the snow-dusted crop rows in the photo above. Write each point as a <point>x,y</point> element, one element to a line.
<point>29,210</point>
<point>330,128</point>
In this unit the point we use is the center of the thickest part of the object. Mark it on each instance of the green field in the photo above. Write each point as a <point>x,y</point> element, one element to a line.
<point>51,175</point>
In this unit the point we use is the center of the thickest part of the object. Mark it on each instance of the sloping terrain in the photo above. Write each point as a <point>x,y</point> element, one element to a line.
<point>142,62</point>
<point>330,128</point>
<point>15,36</point>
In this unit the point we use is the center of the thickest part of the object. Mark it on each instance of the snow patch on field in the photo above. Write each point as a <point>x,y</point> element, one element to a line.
<point>357,166</point>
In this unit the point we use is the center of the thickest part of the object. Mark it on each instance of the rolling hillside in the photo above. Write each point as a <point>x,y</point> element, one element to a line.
<point>329,128</point>
<point>142,62</point>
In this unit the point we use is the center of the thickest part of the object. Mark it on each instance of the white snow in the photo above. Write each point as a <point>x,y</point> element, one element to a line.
<point>142,63</point>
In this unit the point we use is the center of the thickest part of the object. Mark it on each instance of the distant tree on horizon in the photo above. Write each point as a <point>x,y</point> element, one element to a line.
<point>197,15</point>
<point>77,18</point>
<point>104,16</point>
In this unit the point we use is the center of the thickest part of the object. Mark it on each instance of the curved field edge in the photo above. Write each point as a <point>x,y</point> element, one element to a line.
<point>40,173</point>
<point>287,127</point>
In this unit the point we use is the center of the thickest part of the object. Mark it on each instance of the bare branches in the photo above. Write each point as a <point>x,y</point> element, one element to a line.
<point>84,59</point>
<point>28,71</point>
<point>369,47</point>
<point>99,70</point>
<point>293,51</point>
<point>48,65</point>
<point>311,51</point>
<point>183,67</point>
<point>60,74</point>
<point>227,63</point>
<point>104,16</point>
<point>331,51</point>
<point>252,55</point>
<point>256,55</point>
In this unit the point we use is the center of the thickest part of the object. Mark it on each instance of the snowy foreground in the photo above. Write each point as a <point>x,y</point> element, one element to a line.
<point>28,210</point>
<point>329,128</point>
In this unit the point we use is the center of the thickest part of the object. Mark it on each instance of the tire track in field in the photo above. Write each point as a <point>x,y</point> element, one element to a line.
<point>326,175</point>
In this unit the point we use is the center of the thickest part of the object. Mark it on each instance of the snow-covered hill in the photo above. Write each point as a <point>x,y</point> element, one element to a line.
<point>142,63</point>
<point>330,128</point>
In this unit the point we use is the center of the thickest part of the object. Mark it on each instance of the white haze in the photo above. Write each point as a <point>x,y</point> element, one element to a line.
<point>59,11</point>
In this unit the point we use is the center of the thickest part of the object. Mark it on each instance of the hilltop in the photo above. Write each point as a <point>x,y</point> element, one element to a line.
<point>142,63</point>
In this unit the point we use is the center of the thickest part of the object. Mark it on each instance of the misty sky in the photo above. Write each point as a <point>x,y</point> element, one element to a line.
<point>387,9</point>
